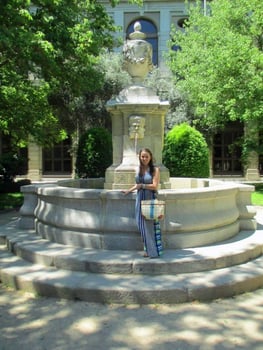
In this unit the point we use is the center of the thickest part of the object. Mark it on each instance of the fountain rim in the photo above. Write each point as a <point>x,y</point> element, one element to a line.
<point>60,188</point>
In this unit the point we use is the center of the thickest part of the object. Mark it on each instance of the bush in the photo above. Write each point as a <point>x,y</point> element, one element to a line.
<point>94,154</point>
<point>12,186</point>
<point>186,152</point>
<point>11,165</point>
<point>11,201</point>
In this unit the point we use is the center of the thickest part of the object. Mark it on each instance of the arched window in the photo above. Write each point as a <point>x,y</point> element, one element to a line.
<point>151,35</point>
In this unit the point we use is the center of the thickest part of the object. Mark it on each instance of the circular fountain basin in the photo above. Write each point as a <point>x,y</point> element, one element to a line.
<point>81,213</point>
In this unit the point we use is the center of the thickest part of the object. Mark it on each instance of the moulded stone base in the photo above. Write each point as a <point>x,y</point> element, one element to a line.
<point>204,213</point>
<point>132,241</point>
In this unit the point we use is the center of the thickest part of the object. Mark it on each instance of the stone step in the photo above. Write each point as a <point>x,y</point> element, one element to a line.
<point>244,247</point>
<point>30,263</point>
<point>131,288</point>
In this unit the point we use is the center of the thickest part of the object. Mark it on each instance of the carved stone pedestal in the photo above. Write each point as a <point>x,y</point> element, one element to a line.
<point>137,122</point>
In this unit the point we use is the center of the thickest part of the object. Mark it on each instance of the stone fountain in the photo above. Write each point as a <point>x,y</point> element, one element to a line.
<point>137,117</point>
<point>78,239</point>
<point>94,213</point>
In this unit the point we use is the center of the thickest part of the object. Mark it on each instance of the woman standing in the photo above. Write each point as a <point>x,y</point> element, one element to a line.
<point>147,180</point>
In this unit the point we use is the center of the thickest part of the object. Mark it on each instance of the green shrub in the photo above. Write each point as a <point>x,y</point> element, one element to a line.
<point>11,165</point>
<point>12,186</point>
<point>11,200</point>
<point>186,152</point>
<point>94,154</point>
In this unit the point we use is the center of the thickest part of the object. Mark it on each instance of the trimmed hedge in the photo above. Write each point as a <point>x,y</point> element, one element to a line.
<point>186,152</point>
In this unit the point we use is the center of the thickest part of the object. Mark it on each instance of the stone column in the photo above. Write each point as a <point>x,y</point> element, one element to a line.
<point>34,162</point>
<point>164,35</point>
<point>251,170</point>
<point>211,172</point>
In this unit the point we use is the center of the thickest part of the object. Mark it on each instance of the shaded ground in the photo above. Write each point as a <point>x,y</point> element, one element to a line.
<point>29,322</point>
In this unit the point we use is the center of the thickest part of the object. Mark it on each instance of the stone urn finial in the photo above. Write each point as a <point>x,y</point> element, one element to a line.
<point>137,55</point>
<point>137,34</point>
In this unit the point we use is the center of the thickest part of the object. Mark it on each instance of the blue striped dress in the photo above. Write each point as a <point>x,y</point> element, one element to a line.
<point>150,229</point>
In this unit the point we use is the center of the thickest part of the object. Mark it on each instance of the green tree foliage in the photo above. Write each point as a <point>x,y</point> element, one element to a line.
<point>185,152</point>
<point>48,55</point>
<point>179,108</point>
<point>94,154</point>
<point>220,63</point>
<point>92,109</point>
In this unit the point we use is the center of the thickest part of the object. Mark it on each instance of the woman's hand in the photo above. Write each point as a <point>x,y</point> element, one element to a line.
<point>135,187</point>
<point>125,192</point>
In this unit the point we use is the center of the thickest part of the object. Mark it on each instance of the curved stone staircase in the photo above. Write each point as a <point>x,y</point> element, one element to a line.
<point>30,263</point>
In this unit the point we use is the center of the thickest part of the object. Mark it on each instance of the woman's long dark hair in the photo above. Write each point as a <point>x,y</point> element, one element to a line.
<point>151,165</point>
